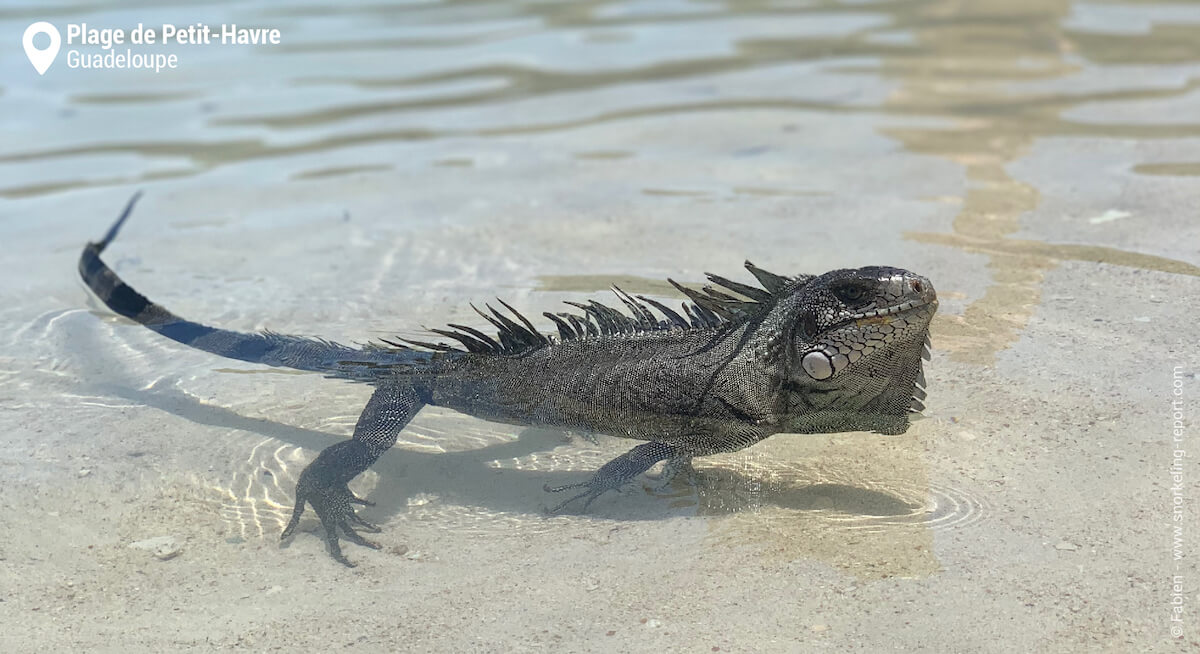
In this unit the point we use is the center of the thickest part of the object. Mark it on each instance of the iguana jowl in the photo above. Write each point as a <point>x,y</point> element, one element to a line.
<point>824,353</point>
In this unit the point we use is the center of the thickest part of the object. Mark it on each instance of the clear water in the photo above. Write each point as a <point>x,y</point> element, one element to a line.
<point>386,164</point>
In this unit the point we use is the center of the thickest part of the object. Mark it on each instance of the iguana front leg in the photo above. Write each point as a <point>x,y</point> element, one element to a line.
<point>618,472</point>
<point>323,484</point>
<point>622,470</point>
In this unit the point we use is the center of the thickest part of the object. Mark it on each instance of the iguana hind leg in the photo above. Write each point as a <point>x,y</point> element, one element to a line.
<point>323,484</point>
<point>618,472</point>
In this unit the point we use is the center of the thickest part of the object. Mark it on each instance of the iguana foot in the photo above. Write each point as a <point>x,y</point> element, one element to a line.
<point>323,485</point>
<point>595,488</point>
<point>616,473</point>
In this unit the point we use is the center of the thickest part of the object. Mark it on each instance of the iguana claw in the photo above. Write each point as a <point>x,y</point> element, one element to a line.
<point>591,493</point>
<point>331,499</point>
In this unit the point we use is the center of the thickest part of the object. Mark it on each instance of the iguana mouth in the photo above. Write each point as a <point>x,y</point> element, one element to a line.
<point>884,316</point>
<point>903,307</point>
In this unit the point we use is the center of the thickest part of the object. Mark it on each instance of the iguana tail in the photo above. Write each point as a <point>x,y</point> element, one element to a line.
<point>369,364</point>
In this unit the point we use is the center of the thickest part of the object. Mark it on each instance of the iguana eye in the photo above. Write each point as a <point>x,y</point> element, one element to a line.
<point>850,293</point>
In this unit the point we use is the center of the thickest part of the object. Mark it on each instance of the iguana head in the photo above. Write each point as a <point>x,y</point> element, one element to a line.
<point>857,340</point>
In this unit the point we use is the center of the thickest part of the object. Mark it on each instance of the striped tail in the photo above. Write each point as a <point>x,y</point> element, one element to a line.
<point>369,364</point>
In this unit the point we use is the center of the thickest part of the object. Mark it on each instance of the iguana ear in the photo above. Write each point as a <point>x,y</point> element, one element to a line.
<point>807,324</point>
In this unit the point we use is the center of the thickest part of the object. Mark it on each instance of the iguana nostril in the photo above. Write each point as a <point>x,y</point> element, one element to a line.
<point>917,286</point>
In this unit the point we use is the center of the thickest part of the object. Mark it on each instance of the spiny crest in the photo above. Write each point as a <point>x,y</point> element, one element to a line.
<point>709,308</point>
<point>917,404</point>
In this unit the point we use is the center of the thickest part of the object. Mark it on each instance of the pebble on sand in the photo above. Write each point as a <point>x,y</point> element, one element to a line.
<point>163,548</point>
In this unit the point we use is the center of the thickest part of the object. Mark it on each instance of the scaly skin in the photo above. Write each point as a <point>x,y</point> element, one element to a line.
<point>807,354</point>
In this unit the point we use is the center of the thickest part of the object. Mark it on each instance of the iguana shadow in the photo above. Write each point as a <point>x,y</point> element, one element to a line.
<point>471,477</point>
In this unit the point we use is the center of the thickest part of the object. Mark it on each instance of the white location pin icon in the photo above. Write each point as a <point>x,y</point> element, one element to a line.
<point>41,59</point>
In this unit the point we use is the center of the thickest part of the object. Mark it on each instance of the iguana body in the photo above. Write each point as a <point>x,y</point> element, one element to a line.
<point>808,354</point>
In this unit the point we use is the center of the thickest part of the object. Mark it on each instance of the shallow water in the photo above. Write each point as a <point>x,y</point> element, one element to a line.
<point>385,165</point>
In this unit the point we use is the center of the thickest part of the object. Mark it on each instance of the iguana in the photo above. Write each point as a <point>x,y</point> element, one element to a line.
<point>825,353</point>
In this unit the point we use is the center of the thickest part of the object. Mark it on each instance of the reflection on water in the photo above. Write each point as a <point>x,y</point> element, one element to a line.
<point>964,68</point>
<point>962,61</point>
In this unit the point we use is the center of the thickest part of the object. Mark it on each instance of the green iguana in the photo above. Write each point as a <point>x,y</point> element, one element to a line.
<point>824,353</point>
